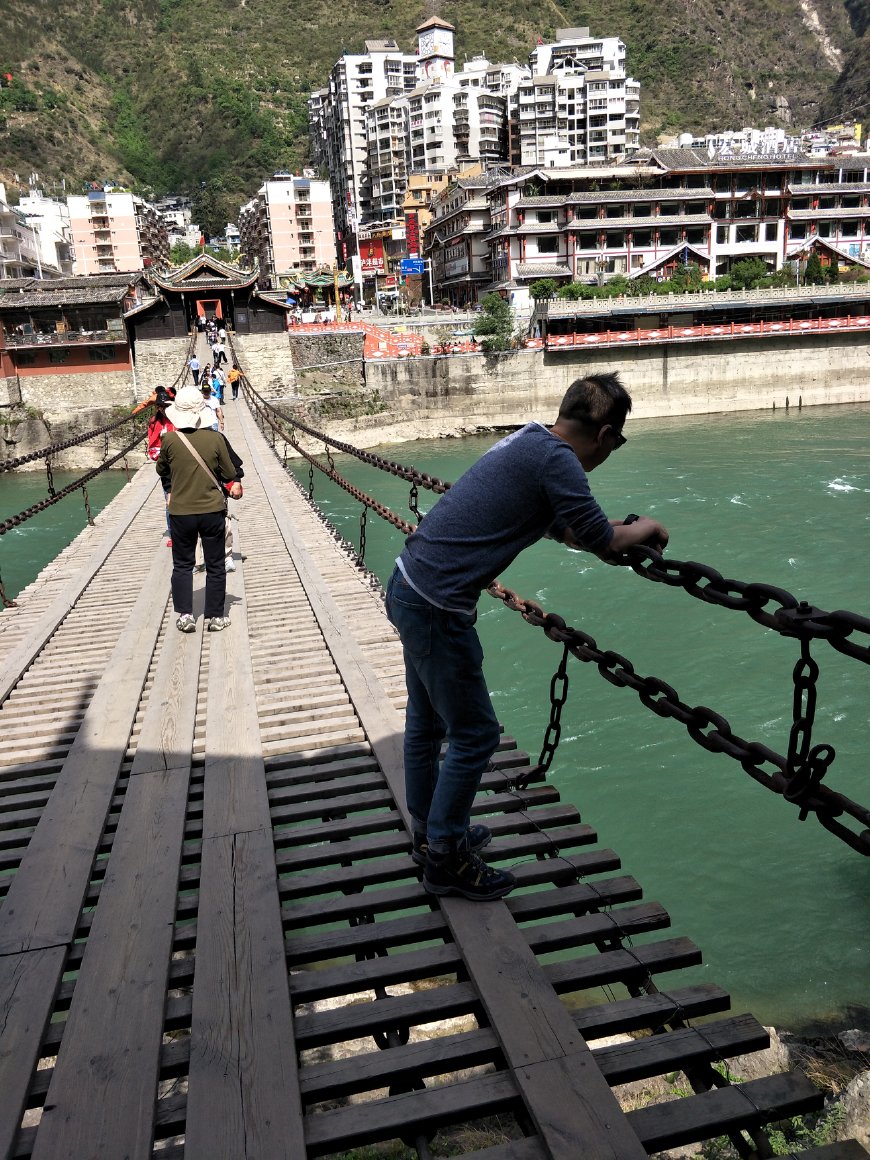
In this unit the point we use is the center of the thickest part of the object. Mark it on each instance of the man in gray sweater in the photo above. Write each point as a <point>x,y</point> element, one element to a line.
<point>530,485</point>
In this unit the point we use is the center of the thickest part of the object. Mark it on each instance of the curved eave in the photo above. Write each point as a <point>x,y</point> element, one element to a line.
<point>209,285</point>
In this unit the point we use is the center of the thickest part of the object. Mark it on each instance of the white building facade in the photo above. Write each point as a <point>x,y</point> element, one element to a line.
<point>288,225</point>
<point>578,106</point>
<point>20,255</point>
<point>49,219</point>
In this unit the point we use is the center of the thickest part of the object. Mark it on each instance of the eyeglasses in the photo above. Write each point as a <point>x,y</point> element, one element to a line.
<point>619,439</point>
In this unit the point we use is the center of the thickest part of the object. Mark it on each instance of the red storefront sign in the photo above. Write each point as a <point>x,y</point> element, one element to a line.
<point>371,256</point>
<point>412,235</point>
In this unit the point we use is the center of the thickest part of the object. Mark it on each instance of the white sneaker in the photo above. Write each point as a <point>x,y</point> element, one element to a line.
<point>231,564</point>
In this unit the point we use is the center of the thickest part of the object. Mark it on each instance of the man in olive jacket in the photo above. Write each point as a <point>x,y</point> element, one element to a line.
<point>197,506</point>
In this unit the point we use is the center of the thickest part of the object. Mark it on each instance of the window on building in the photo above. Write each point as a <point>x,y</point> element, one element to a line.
<point>668,237</point>
<point>101,353</point>
<point>548,245</point>
<point>587,241</point>
<point>746,234</point>
<point>798,232</point>
<point>850,229</point>
<point>770,232</point>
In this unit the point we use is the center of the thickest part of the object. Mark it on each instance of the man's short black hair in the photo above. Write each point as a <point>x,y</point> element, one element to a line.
<point>596,400</point>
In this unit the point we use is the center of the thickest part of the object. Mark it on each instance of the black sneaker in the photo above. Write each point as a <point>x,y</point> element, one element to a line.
<point>461,872</point>
<point>476,837</point>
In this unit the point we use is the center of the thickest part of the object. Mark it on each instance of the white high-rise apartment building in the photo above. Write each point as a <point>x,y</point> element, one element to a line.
<point>49,219</point>
<point>19,244</point>
<point>577,106</point>
<point>385,115</point>
<point>337,117</point>
<point>288,225</point>
<point>447,121</point>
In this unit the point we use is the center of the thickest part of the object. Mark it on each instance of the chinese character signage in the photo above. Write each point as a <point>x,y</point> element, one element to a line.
<point>371,255</point>
<point>412,234</point>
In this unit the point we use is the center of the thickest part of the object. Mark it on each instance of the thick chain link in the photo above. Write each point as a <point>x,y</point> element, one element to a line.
<point>15,521</point>
<point>797,777</point>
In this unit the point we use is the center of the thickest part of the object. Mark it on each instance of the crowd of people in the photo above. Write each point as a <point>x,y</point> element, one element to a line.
<point>199,470</point>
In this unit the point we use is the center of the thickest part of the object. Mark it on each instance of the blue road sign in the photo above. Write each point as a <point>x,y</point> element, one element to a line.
<point>412,265</point>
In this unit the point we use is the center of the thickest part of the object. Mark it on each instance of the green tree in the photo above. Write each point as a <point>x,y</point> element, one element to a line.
<point>495,324</point>
<point>686,278</point>
<point>814,274</point>
<point>747,273</point>
<point>544,288</point>
<point>181,253</point>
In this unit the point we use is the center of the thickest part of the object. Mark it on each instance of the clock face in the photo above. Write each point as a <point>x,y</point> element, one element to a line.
<point>442,42</point>
<point>426,43</point>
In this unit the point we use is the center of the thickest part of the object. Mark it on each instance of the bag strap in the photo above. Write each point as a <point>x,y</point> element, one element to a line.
<point>196,455</point>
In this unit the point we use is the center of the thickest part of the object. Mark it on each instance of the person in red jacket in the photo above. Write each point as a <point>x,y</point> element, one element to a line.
<point>158,425</point>
<point>151,401</point>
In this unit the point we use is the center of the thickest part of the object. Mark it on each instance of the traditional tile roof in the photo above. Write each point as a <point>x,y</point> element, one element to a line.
<point>539,228</point>
<point>829,187</point>
<point>815,240</point>
<point>205,272</point>
<point>27,300</point>
<point>541,270</point>
<point>542,202</point>
<point>805,215</point>
<point>75,282</point>
<point>611,196</point>
<point>703,259</point>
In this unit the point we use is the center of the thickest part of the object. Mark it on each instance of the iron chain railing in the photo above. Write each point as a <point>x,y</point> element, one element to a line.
<point>796,776</point>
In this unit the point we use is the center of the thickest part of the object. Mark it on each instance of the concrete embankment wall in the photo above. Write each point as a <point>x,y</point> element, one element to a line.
<point>428,397</point>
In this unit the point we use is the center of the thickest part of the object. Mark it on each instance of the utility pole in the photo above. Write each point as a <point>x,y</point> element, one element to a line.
<point>335,291</point>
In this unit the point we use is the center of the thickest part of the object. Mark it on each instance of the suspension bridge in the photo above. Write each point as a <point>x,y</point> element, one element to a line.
<point>213,940</point>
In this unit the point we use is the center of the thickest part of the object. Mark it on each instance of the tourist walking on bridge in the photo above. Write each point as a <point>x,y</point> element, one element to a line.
<point>196,461</point>
<point>530,485</point>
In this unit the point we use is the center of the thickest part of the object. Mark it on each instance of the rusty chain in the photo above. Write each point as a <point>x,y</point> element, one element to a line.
<point>54,448</point>
<point>797,777</point>
<point>14,521</point>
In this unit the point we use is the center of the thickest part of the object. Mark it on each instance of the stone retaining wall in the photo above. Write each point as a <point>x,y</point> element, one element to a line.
<point>455,394</point>
<point>159,362</point>
<point>60,396</point>
<point>21,434</point>
<point>267,360</point>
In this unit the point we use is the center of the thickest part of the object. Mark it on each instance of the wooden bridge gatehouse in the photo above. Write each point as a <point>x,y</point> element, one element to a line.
<point>213,941</point>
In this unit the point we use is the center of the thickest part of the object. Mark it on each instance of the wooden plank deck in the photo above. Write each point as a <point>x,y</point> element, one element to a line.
<point>213,942</point>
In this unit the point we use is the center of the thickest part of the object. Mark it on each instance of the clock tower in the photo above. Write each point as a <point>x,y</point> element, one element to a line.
<point>435,49</point>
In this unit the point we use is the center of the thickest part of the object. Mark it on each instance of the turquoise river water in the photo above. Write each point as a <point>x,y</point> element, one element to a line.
<point>779,908</point>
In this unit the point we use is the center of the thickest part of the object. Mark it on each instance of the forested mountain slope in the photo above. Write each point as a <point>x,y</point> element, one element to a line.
<point>168,94</point>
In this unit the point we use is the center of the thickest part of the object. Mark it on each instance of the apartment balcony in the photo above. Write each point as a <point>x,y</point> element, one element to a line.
<point>66,338</point>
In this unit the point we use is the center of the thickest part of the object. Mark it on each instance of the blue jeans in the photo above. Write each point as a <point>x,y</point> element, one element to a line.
<point>447,697</point>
